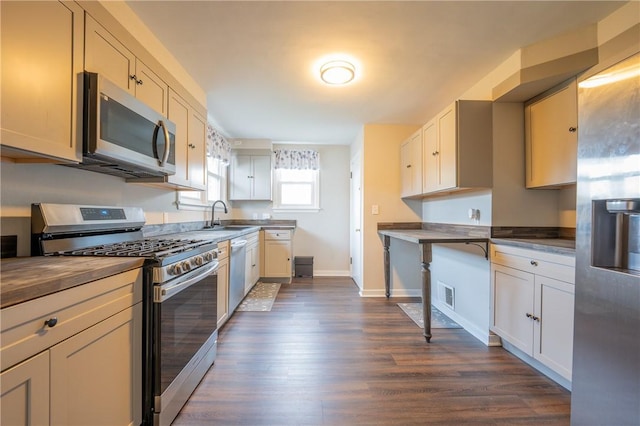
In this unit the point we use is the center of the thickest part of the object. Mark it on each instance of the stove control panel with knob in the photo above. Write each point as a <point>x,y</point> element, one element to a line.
<point>168,272</point>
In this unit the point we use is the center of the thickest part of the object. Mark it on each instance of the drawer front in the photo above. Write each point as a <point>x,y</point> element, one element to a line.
<point>24,332</point>
<point>223,249</point>
<point>277,234</point>
<point>253,239</point>
<point>540,263</point>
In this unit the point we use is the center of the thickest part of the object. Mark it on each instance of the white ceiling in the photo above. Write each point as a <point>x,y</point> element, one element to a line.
<point>256,61</point>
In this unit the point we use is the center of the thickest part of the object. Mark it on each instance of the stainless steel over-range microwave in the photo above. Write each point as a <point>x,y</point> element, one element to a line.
<point>122,136</point>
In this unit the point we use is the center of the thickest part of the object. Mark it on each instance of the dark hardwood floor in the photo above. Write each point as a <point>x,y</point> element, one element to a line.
<point>325,356</point>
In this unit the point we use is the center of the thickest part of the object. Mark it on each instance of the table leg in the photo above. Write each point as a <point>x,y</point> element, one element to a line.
<point>387,266</point>
<point>425,259</point>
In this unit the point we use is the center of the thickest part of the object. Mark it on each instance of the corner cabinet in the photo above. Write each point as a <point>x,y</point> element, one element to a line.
<point>551,137</point>
<point>457,148</point>
<point>411,165</point>
<point>191,128</point>
<point>532,301</point>
<point>277,253</point>
<point>250,177</point>
<point>42,62</point>
<point>85,364</point>
<point>105,55</point>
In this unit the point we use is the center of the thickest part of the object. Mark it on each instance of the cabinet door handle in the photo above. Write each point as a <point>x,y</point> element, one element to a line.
<point>51,322</point>
<point>573,129</point>
<point>534,263</point>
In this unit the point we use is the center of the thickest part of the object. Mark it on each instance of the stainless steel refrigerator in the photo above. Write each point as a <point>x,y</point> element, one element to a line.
<point>606,350</point>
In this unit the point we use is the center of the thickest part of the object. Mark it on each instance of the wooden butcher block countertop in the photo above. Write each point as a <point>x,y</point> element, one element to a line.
<point>26,278</point>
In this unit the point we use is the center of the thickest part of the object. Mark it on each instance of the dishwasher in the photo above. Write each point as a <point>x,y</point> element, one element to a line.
<point>236,272</point>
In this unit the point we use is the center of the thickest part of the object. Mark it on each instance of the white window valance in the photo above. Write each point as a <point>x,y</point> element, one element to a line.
<point>298,159</point>
<point>217,146</point>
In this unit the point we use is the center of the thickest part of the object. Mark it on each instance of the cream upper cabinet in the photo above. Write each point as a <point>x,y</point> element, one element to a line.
<point>105,55</point>
<point>457,148</point>
<point>532,303</point>
<point>551,137</point>
<point>411,165</point>
<point>250,177</point>
<point>42,51</point>
<point>191,172</point>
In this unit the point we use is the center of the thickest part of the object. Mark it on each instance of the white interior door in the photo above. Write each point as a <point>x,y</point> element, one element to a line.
<point>356,220</point>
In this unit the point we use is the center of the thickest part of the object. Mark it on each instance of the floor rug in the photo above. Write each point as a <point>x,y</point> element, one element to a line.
<point>438,319</point>
<point>260,298</point>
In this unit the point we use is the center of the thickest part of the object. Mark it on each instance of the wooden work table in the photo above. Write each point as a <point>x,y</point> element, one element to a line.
<point>424,238</point>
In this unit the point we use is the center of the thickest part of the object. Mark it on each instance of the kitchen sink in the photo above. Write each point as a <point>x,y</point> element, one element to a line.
<point>228,228</point>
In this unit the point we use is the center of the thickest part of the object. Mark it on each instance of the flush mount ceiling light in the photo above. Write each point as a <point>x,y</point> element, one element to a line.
<point>337,72</point>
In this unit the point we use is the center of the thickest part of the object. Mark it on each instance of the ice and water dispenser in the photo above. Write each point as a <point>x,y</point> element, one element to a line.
<point>616,235</point>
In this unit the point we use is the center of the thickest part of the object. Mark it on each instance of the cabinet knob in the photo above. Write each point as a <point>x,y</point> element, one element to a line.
<point>528,315</point>
<point>535,318</point>
<point>139,82</point>
<point>573,129</point>
<point>434,153</point>
<point>534,263</point>
<point>192,146</point>
<point>51,322</point>
<point>133,77</point>
<point>408,166</point>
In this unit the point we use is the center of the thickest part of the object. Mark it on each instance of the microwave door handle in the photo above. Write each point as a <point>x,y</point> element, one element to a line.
<point>167,144</point>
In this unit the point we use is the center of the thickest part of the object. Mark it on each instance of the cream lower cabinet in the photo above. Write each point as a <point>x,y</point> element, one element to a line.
<point>42,62</point>
<point>87,367</point>
<point>252,261</point>
<point>277,253</point>
<point>223,282</point>
<point>532,300</point>
<point>551,137</point>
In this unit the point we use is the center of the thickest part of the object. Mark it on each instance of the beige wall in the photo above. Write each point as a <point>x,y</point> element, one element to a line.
<point>381,187</point>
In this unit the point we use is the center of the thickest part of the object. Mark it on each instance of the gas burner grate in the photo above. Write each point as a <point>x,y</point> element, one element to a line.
<point>138,248</point>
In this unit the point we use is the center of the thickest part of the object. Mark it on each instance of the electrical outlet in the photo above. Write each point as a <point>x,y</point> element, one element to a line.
<point>375,209</point>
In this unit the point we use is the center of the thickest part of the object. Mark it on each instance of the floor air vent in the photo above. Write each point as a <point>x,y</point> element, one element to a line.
<point>446,294</point>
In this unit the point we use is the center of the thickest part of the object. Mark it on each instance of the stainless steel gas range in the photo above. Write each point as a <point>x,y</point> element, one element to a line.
<point>180,293</point>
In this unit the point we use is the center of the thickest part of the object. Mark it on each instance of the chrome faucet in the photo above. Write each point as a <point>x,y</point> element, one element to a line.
<point>213,209</point>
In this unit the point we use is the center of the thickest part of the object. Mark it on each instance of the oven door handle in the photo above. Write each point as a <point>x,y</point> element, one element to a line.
<point>164,292</point>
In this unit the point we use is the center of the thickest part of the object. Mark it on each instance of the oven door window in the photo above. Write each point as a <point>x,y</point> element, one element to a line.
<point>183,324</point>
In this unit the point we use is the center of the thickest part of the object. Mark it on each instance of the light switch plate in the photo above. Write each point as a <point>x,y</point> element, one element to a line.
<point>375,209</point>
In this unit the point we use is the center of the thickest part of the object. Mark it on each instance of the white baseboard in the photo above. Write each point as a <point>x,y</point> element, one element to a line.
<point>372,293</point>
<point>537,365</point>
<point>331,273</point>
<point>483,335</point>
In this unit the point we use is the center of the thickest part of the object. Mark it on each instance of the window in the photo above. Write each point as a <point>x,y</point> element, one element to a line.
<point>216,188</point>
<point>296,189</point>
<point>217,180</point>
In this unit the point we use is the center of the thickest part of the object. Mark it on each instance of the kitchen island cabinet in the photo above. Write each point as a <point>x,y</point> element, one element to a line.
<point>551,137</point>
<point>532,303</point>
<point>75,354</point>
<point>42,74</point>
